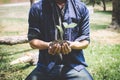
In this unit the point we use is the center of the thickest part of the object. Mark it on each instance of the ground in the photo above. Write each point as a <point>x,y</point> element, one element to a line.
<point>12,1</point>
<point>108,36</point>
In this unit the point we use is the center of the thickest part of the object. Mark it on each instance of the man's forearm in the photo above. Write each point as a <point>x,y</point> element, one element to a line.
<point>79,45</point>
<point>39,44</point>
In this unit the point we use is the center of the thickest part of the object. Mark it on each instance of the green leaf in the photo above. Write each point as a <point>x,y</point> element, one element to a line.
<point>60,29</point>
<point>66,25</point>
<point>72,25</point>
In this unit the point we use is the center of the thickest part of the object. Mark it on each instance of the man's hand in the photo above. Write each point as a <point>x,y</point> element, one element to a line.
<point>57,47</point>
<point>54,48</point>
<point>65,48</point>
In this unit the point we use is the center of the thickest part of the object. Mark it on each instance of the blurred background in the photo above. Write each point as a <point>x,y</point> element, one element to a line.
<point>102,55</point>
<point>12,1</point>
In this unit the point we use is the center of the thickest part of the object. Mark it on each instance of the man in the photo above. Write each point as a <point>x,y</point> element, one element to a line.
<point>65,60</point>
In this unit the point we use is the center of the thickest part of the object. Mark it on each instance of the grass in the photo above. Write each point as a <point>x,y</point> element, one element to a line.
<point>13,20</point>
<point>5,1</point>
<point>102,58</point>
<point>100,20</point>
<point>9,53</point>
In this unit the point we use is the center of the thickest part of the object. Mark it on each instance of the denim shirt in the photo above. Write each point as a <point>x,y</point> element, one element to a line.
<point>42,19</point>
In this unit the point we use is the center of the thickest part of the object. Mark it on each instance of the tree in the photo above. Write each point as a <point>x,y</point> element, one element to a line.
<point>11,40</point>
<point>115,14</point>
<point>99,2</point>
<point>104,5</point>
<point>31,2</point>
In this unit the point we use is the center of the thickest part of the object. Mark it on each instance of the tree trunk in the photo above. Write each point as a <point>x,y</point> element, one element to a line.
<point>31,58</point>
<point>115,14</point>
<point>31,2</point>
<point>104,5</point>
<point>11,40</point>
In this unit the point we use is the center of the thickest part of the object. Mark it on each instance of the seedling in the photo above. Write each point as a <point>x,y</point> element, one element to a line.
<point>66,25</point>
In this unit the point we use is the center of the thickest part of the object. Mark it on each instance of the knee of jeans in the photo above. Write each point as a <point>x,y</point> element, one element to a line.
<point>34,77</point>
<point>85,75</point>
<point>79,75</point>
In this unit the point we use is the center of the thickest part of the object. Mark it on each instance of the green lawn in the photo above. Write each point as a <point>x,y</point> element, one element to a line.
<point>102,57</point>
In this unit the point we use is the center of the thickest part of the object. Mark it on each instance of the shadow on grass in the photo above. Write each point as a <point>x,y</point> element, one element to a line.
<point>98,27</point>
<point>4,56</point>
<point>17,52</point>
<point>104,12</point>
<point>25,67</point>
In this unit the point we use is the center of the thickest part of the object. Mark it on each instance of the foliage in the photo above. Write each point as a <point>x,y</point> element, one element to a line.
<point>103,60</point>
<point>99,22</point>
<point>97,1</point>
<point>16,16</point>
<point>9,53</point>
<point>66,25</point>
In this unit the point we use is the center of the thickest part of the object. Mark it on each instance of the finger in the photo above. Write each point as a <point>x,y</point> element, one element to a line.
<point>50,51</point>
<point>57,49</point>
<point>64,49</point>
<point>67,48</point>
<point>54,49</point>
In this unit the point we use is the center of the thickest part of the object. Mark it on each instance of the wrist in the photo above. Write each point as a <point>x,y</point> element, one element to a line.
<point>71,45</point>
<point>48,44</point>
<point>74,45</point>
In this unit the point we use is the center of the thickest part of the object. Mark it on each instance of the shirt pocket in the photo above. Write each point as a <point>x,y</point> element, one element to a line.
<point>74,33</point>
<point>71,33</point>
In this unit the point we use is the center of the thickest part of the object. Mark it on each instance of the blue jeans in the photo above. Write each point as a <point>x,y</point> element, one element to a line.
<point>59,73</point>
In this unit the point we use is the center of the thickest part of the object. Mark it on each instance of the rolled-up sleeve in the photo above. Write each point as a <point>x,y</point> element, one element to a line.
<point>34,24</point>
<point>84,26</point>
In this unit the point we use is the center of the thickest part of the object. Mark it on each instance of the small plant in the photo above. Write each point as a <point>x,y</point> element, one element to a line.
<point>66,25</point>
<point>61,31</point>
<point>61,41</point>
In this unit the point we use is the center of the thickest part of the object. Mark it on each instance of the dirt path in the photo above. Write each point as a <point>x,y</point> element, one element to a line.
<point>14,4</point>
<point>106,36</point>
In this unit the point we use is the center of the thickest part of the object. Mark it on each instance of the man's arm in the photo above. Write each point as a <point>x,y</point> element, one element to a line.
<point>39,44</point>
<point>83,40</point>
<point>34,31</point>
<point>66,49</point>
<point>79,44</point>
